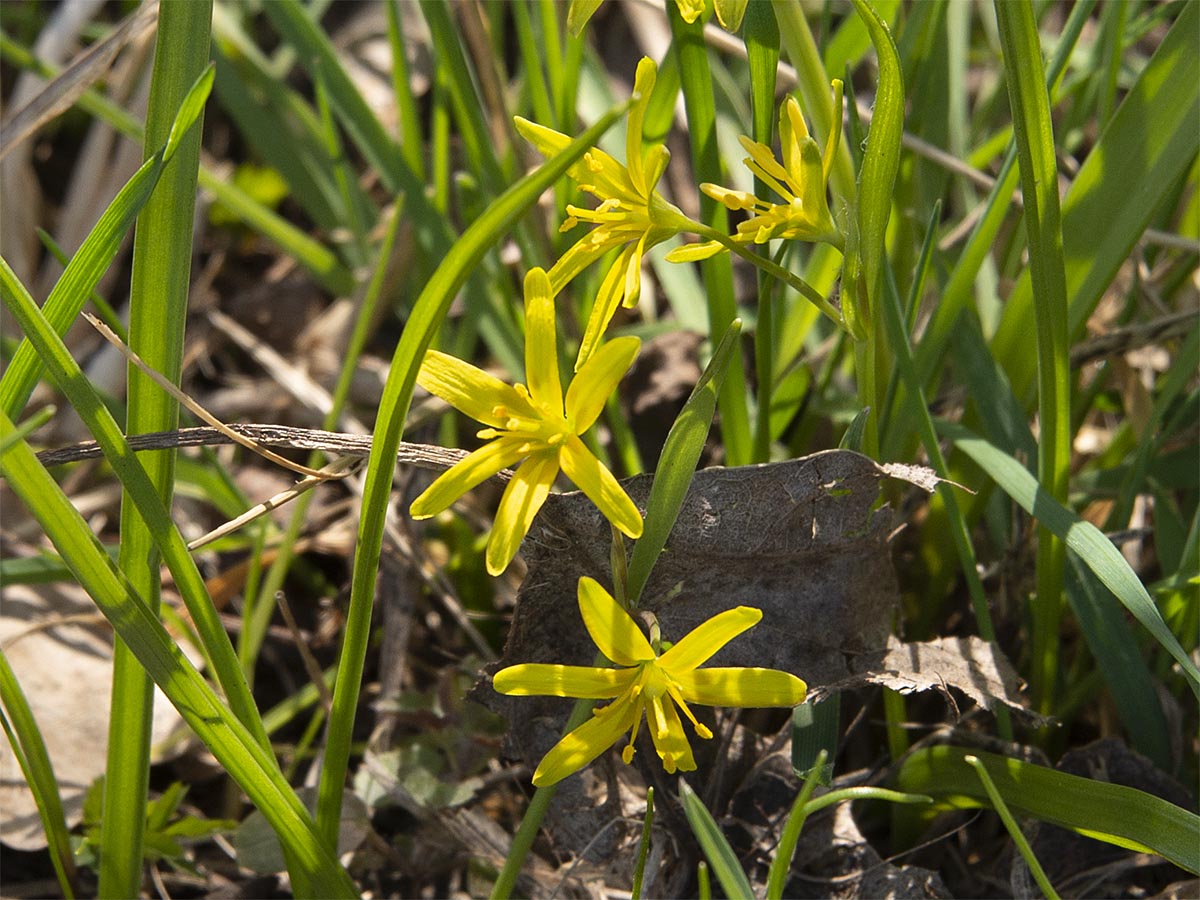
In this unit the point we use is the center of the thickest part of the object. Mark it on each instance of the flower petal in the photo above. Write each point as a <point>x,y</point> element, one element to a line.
<point>581,254</point>
<point>643,86</point>
<point>549,143</point>
<point>633,272</point>
<point>464,475</point>
<point>597,379</point>
<point>671,740</point>
<point>613,630</point>
<point>591,477</point>
<point>544,680</point>
<point>470,390</point>
<point>707,638</point>
<point>522,499</point>
<point>586,742</point>
<point>741,687</point>
<point>541,342</point>
<point>607,300</point>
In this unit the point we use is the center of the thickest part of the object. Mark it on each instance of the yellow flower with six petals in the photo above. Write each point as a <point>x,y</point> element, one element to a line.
<point>801,181</point>
<point>631,214</point>
<point>534,423</point>
<point>654,683</point>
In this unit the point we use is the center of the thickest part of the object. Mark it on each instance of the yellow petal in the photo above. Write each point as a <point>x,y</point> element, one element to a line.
<point>586,742</point>
<point>695,252</point>
<point>763,164</point>
<point>671,740</point>
<point>591,477</point>
<point>633,272</point>
<point>729,198</point>
<point>613,630</point>
<point>544,680</point>
<point>471,390</point>
<point>541,341</point>
<point>707,638</point>
<point>522,499</point>
<point>690,10</point>
<point>643,86</point>
<point>597,379</point>
<point>607,300</point>
<point>835,133</point>
<point>792,133</point>
<point>581,254</point>
<point>464,475</point>
<point>741,687</point>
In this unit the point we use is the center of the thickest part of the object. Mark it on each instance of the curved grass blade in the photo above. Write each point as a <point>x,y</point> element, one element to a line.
<point>677,464</point>
<point>1084,538</point>
<point>25,739</point>
<point>249,763</point>
<point>96,254</point>
<point>717,851</point>
<point>428,311</point>
<point>1107,812</point>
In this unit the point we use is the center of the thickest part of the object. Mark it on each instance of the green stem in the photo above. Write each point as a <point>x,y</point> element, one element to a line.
<point>162,253</point>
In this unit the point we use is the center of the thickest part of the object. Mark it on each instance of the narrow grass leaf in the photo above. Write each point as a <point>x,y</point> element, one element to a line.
<point>1084,538</point>
<point>680,453</point>
<point>1107,812</point>
<point>236,749</point>
<point>720,855</point>
<point>1153,133</point>
<point>88,265</point>
<point>25,740</point>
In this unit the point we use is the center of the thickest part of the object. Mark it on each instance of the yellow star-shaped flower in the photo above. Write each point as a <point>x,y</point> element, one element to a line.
<point>658,684</point>
<point>801,181</point>
<point>534,423</point>
<point>631,214</point>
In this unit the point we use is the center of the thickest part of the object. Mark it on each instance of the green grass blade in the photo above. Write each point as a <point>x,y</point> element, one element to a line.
<point>87,266</point>
<point>720,855</point>
<point>140,490</point>
<point>25,739</point>
<point>426,318</point>
<point>1153,133</point>
<point>158,294</point>
<point>1033,131</point>
<point>790,834</point>
<point>1118,656</point>
<point>236,749</point>
<point>1010,824</point>
<point>1085,539</point>
<point>681,451</point>
<point>1108,812</point>
<point>696,78</point>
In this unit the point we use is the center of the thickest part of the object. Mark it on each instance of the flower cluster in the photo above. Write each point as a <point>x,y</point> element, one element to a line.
<point>537,427</point>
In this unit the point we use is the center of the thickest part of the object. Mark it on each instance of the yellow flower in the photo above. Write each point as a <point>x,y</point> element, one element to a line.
<point>654,683</point>
<point>581,10</point>
<point>801,181</point>
<point>535,424</point>
<point>631,214</point>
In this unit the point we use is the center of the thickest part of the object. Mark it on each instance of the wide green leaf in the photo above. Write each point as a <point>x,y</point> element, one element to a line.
<point>1108,812</point>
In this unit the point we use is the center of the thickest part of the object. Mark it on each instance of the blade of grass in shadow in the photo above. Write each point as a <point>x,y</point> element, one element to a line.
<point>96,254</point>
<point>696,79</point>
<point>158,294</point>
<point>720,855</point>
<point>1083,538</point>
<point>1014,830</point>
<point>1038,168</point>
<point>1115,648</point>
<point>681,451</point>
<point>427,315</point>
<point>1107,812</point>
<point>25,739</point>
<point>249,763</point>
